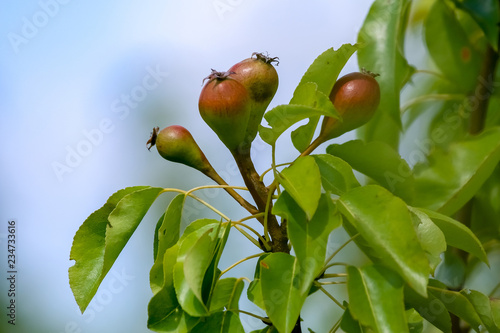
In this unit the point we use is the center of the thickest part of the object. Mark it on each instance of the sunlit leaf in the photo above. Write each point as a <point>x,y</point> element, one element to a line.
<point>166,236</point>
<point>458,235</point>
<point>185,295</point>
<point>324,71</point>
<point>385,225</point>
<point>198,259</point>
<point>95,248</point>
<point>302,180</point>
<point>282,117</point>
<point>376,298</point>
<point>380,162</point>
<point>309,238</point>
<point>280,290</point>
<point>337,176</point>
<point>430,236</point>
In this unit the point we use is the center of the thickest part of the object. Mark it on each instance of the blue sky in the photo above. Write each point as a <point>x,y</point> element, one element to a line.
<point>65,69</point>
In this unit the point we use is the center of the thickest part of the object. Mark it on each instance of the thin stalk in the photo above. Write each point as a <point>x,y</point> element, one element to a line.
<point>240,261</point>
<point>336,326</point>
<point>196,198</point>
<point>327,276</point>
<point>272,169</point>
<point>324,283</point>
<point>230,190</point>
<point>329,295</point>
<point>338,250</point>
<point>315,144</point>
<point>265,320</point>
<point>431,97</point>
<point>246,234</point>
<point>259,193</point>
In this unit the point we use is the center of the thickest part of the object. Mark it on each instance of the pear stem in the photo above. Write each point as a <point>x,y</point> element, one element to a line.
<point>319,140</point>
<point>211,173</point>
<point>260,194</point>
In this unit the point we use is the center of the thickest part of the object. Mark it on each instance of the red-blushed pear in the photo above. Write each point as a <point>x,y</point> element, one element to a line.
<point>176,144</point>
<point>259,77</point>
<point>224,105</point>
<point>356,97</point>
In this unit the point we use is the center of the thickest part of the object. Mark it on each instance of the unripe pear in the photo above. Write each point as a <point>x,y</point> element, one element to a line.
<point>356,97</point>
<point>224,105</point>
<point>259,77</point>
<point>176,144</point>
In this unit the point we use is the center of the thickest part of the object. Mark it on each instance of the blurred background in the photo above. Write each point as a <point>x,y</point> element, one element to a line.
<point>82,84</point>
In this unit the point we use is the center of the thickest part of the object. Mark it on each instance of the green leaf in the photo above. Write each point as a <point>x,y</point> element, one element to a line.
<point>323,72</point>
<point>451,272</point>
<point>450,47</point>
<point>458,235</point>
<point>452,177</point>
<point>309,238</point>
<point>337,176</point>
<point>457,304</point>
<point>220,322</point>
<point>430,308</point>
<point>302,180</point>
<point>348,323</point>
<point>385,225</point>
<point>380,51</point>
<point>415,321</point>
<point>376,298</point>
<point>185,295</point>
<point>485,223</point>
<point>93,253</point>
<point>166,236</point>
<point>155,239</point>
<point>325,69</point>
<point>198,260</point>
<point>280,290</point>
<point>124,219</point>
<point>282,117</point>
<point>226,294</point>
<point>254,291</point>
<point>380,162</point>
<point>430,236</point>
<point>307,94</point>
<point>482,306</point>
<point>495,311</point>
<point>267,329</point>
<point>487,15</point>
<point>165,312</point>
